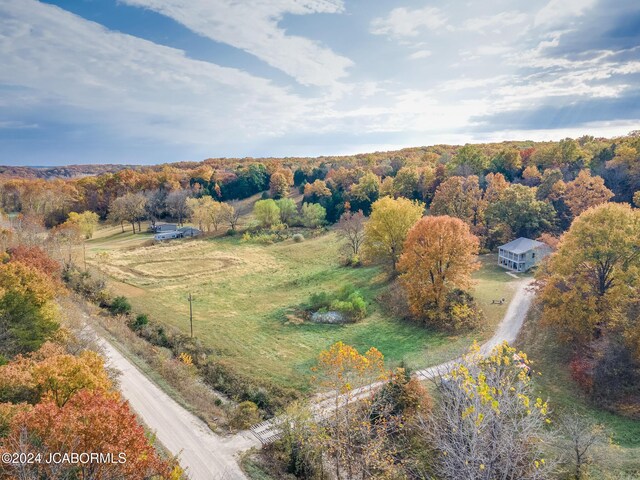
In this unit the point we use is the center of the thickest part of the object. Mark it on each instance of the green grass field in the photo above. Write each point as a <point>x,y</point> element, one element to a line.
<point>245,295</point>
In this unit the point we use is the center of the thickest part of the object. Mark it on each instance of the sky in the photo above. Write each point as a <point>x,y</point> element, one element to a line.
<point>153,81</point>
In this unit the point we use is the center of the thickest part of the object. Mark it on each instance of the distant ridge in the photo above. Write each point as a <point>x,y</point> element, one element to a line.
<point>66,171</point>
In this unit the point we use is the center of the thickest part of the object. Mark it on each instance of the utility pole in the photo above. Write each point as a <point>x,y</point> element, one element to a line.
<point>191,314</point>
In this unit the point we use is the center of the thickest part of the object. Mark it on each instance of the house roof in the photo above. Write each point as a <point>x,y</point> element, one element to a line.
<point>521,245</point>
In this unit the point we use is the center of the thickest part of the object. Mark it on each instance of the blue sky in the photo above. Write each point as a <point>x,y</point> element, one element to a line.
<point>149,81</point>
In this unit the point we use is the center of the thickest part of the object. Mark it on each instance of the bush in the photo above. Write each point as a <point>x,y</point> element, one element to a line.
<point>141,321</point>
<point>245,415</point>
<point>461,312</point>
<point>120,306</point>
<point>354,307</point>
<point>231,232</point>
<point>298,237</point>
<point>86,285</point>
<point>348,301</point>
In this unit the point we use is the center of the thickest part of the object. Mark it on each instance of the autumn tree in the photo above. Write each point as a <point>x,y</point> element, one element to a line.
<point>128,208</point>
<point>351,229</point>
<point>266,213</point>
<point>459,197</point>
<point>156,206</point>
<point>356,446</point>
<point>26,308</point>
<point>439,256</point>
<point>581,436</point>
<point>488,424</point>
<point>387,229</point>
<point>87,222</point>
<point>52,374</point>
<point>65,239</point>
<point>89,422</point>
<point>230,214</point>
<point>316,190</point>
<point>205,212</point>
<point>585,192</point>
<point>593,275</point>
<point>279,186</point>
<point>531,176</point>
<point>36,258</point>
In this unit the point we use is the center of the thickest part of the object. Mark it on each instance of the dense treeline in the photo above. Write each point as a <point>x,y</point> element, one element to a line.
<point>460,181</point>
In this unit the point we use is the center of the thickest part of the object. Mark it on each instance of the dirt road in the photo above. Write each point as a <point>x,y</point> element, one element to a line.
<point>205,455</point>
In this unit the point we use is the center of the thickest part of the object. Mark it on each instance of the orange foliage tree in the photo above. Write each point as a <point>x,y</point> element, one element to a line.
<point>37,259</point>
<point>439,256</point>
<point>92,422</point>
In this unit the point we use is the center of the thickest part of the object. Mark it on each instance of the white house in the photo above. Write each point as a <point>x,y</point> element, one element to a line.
<point>521,254</point>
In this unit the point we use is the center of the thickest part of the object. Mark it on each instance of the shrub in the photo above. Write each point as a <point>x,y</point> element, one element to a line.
<point>86,284</point>
<point>120,306</point>
<point>348,301</point>
<point>245,415</point>
<point>140,321</point>
<point>460,313</point>
<point>298,237</point>
<point>354,307</point>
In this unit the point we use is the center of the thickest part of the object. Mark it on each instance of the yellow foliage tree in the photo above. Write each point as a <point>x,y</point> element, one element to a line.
<point>387,229</point>
<point>594,274</point>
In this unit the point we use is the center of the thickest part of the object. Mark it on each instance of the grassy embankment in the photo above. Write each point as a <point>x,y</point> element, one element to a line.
<point>621,460</point>
<point>245,296</point>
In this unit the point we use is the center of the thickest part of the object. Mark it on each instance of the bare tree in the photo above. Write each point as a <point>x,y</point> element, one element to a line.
<point>351,228</point>
<point>231,214</point>
<point>581,436</point>
<point>177,204</point>
<point>156,205</point>
<point>130,207</point>
<point>487,425</point>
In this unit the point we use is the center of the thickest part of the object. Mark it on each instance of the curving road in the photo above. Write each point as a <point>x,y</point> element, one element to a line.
<point>207,456</point>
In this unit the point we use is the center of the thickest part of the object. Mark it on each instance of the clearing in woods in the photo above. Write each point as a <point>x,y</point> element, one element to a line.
<point>245,294</point>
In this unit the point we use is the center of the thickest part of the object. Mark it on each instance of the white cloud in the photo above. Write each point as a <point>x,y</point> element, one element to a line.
<point>420,54</point>
<point>402,22</point>
<point>130,85</point>
<point>559,11</point>
<point>494,22</point>
<point>252,25</point>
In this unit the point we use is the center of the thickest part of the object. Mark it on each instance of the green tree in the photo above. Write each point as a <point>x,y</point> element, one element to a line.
<point>288,210</point>
<point>519,209</point>
<point>267,213</point>
<point>469,160</point>
<point>313,215</point>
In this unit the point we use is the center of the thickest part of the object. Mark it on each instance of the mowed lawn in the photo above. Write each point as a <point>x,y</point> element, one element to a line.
<point>245,294</point>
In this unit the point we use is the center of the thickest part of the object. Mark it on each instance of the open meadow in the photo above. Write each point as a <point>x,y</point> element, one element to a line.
<point>245,297</point>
